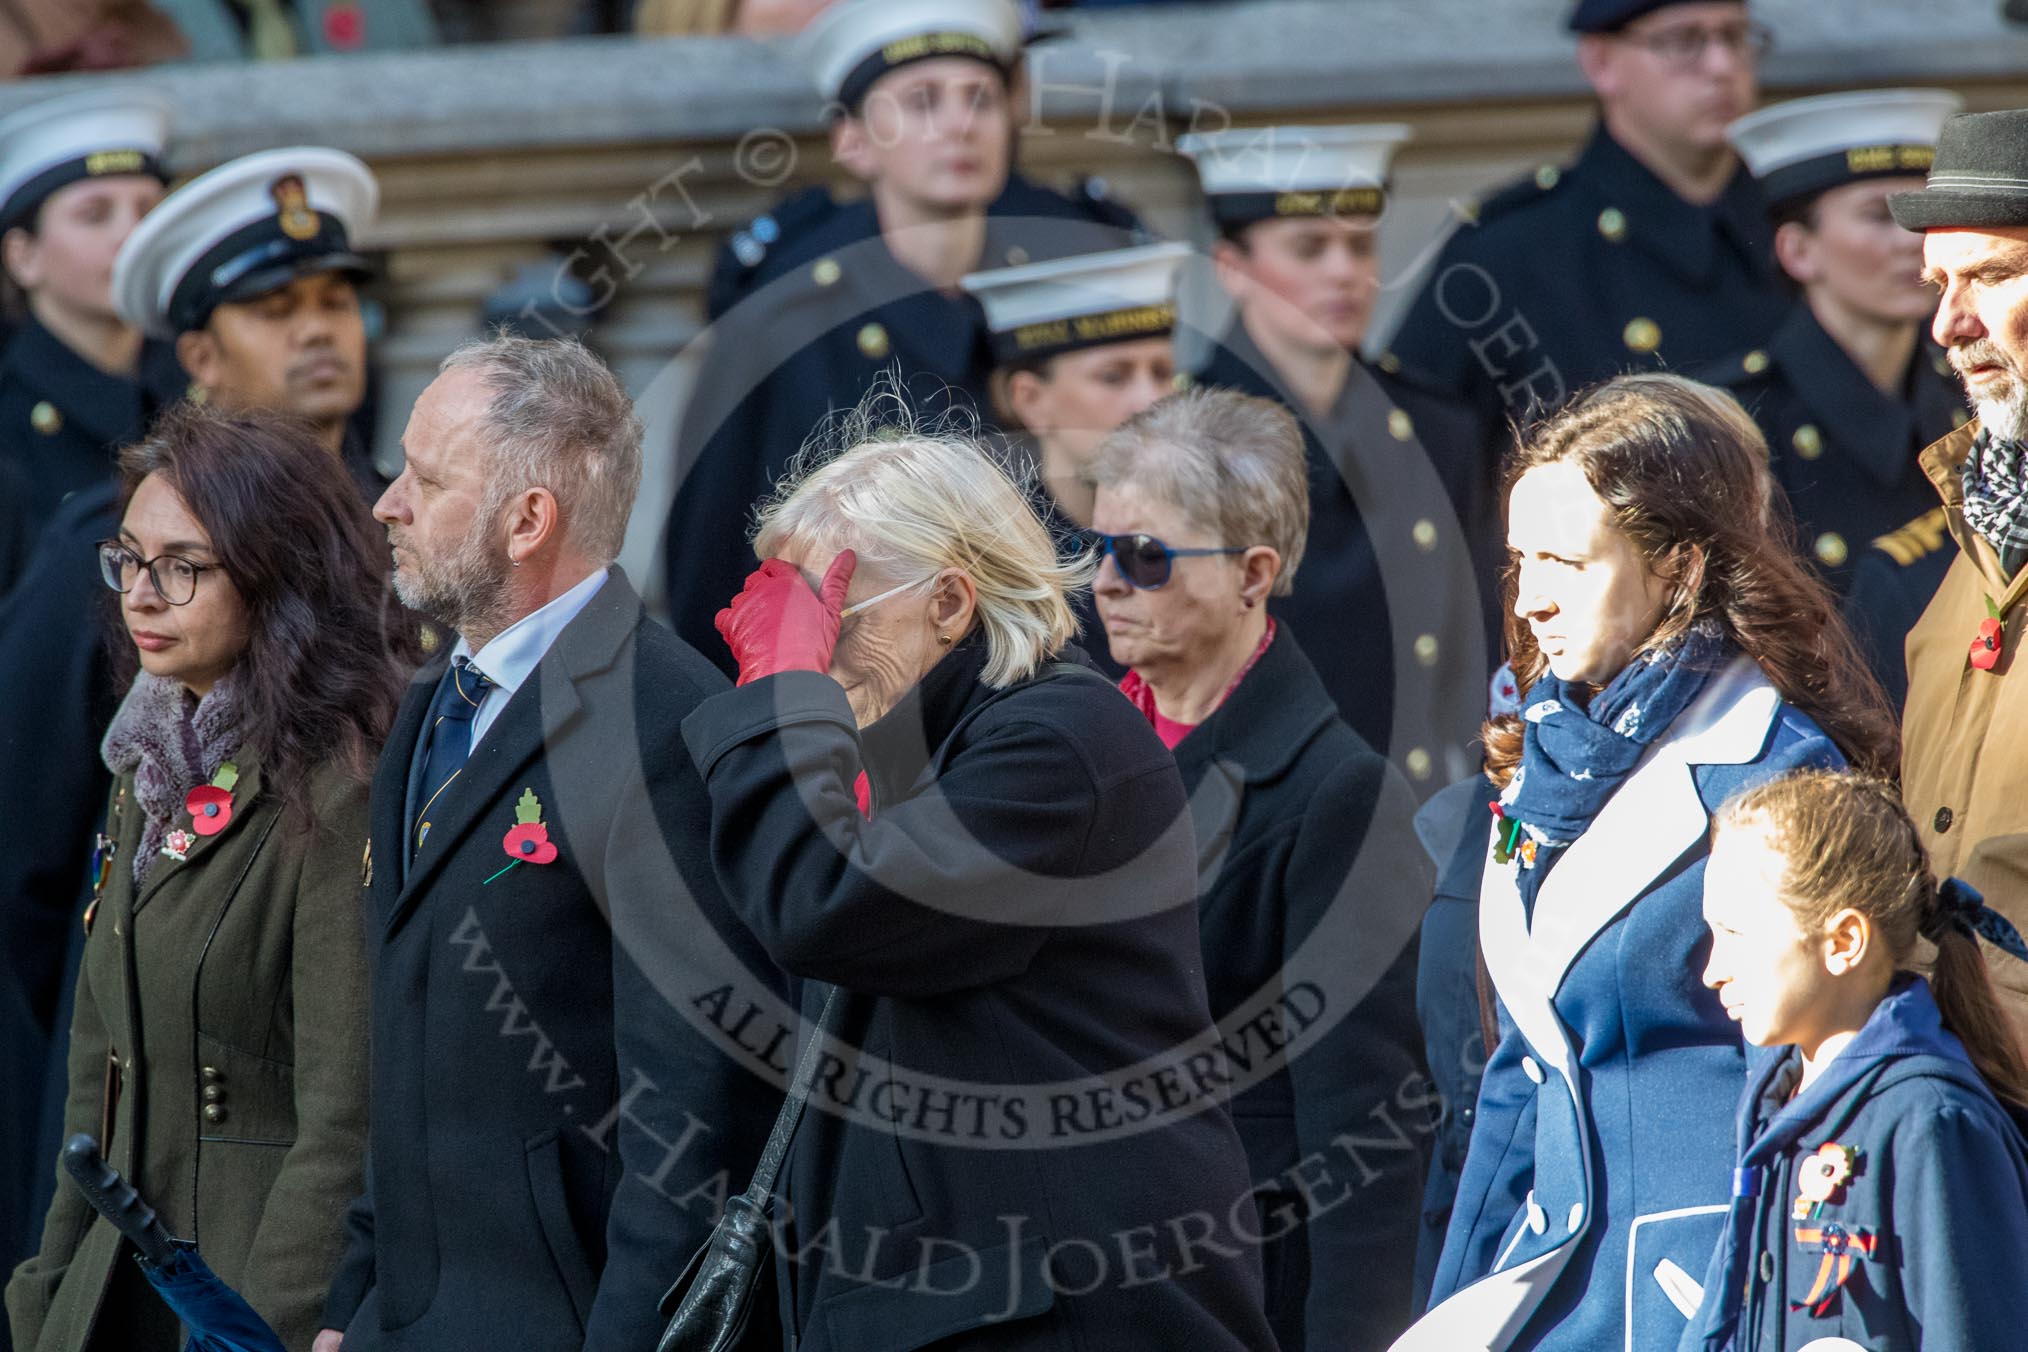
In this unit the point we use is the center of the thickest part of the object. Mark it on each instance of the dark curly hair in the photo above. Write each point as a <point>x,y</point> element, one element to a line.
<point>1684,473</point>
<point>328,650</point>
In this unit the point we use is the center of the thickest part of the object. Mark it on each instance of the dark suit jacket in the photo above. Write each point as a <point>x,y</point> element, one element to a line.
<point>1310,889</point>
<point>1013,922</point>
<point>551,1136</point>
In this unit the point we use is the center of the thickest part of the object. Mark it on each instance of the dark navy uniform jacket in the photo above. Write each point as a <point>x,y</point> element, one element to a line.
<point>1579,273</point>
<point>1933,1215</point>
<point>1389,596</point>
<point>1843,451</point>
<point>1311,887</point>
<point>1599,1164</point>
<point>801,332</point>
<point>62,419</point>
<point>1892,584</point>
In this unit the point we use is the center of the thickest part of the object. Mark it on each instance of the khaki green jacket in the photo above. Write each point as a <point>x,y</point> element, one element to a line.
<point>1964,770</point>
<point>220,1037</point>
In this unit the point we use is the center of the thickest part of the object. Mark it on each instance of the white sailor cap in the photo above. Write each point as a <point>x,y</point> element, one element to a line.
<point>1260,173</point>
<point>246,228</point>
<point>58,142</point>
<point>852,43</point>
<point>1804,147</point>
<point>1041,309</point>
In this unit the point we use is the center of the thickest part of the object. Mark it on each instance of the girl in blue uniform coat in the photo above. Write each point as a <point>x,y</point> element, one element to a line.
<point>1673,650</point>
<point>1881,1200</point>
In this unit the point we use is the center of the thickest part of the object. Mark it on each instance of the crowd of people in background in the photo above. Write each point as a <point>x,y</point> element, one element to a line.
<point>1509,838</point>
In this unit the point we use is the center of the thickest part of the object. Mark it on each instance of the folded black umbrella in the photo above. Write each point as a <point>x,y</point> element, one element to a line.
<point>217,1317</point>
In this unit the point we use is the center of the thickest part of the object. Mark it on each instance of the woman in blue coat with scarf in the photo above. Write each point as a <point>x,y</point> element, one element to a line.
<point>1672,650</point>
<point>1881,1197</point>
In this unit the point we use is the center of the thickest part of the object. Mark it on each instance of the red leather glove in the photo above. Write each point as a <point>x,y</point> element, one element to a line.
<point>778,624</point>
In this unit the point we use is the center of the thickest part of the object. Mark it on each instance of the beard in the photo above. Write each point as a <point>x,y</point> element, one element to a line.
<point>2004,414</point>
<point>466,592</point>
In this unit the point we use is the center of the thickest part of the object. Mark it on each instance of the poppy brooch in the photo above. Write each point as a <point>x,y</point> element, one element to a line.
<point>527,841</point>
<point>210,805</point>
<point>1992,637</point>
<point>1821,1178</point>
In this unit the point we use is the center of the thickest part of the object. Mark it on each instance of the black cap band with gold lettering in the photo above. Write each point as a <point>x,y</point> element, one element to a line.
<point>909,50</point>
<point>1053,337</point>
<point>1806,178</point>
<point>24,201</point>
<point>1235,209</point>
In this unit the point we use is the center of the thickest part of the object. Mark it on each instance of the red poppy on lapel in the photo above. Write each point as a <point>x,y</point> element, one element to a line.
<point>210,809</point>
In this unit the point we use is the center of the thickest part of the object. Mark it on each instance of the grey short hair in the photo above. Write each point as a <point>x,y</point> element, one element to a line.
<point>559,419</point>
<point>913,500</point>
<point>1232,463</point>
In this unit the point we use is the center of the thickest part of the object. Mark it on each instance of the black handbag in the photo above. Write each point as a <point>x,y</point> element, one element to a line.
<point>712,1303</point>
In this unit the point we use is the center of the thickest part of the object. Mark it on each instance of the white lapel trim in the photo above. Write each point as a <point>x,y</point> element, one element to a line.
<point>1643,829</point>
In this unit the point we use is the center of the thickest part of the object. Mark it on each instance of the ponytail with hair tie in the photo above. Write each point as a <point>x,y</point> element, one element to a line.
<point>1960,906</point>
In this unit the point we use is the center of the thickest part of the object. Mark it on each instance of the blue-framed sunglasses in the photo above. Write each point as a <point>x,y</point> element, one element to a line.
<point>1144,561</point>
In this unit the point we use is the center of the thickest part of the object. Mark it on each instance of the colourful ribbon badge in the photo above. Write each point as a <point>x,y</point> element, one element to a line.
<point>210,805</point>
<point>1992,635</point>
<point>1840,1247</point>
<point>527,841</point>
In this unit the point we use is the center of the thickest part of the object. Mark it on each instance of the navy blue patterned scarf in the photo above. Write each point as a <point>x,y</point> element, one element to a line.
<point>1574,757</point>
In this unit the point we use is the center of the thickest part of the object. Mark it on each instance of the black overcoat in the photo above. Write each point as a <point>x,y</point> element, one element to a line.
<point>1311,887</point>
<point>1020,1141</point>
<point>550,1135</point>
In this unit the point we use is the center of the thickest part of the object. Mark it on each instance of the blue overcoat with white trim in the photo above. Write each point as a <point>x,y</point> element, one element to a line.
<point>1601,1161</point>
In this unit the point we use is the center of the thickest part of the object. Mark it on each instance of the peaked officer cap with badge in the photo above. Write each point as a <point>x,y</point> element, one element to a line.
<point>852,43</point>
<point>55,143</point>
<point>1263,173</point>
<point>1804,147</point>
<point>247,228</point>
<point>1040,310</point>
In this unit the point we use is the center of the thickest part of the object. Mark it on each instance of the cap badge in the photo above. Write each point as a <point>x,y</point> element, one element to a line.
<point>298,220</point>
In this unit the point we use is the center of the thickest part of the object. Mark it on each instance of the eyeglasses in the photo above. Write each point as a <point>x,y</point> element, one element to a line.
<point>872,601</point>
<point>1144,561</point>
<point>1683,47</point>
<point>173,577</point>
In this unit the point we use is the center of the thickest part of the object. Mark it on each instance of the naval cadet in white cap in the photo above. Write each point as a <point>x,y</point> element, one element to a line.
<point>77,174</point>
<point>252,270</point>
<point>1389,601</point>
<point>814,301</point>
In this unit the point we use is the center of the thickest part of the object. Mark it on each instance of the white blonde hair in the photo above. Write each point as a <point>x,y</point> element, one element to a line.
<point>913,502</point>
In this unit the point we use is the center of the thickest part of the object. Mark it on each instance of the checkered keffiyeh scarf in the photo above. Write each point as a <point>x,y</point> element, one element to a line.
<point>1996,495</point>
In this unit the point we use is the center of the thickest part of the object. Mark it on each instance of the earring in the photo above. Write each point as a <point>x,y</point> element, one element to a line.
<point>1248,601</point>
<point>944,639</point>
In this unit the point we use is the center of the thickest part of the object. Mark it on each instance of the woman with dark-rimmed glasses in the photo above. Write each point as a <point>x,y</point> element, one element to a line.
<point>1310,887</point>
<point>218,1045</point>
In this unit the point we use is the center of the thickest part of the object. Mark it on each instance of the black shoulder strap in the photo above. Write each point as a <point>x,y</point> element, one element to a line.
<point>786,1121</point>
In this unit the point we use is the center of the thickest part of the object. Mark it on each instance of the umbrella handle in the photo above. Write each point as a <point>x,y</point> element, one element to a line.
<point>113,1197</point>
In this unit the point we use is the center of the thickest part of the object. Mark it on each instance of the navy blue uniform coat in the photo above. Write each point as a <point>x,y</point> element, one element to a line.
<point>1940,1184</point>
<point>1843,451</point>
<point>550,1138</point>
<point>1391,597</point>
<point>1599,1165</point>
<point>1014,921</point>
<point>1580,272</point>
<point>1310,887</point>
<point>801,335</point>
